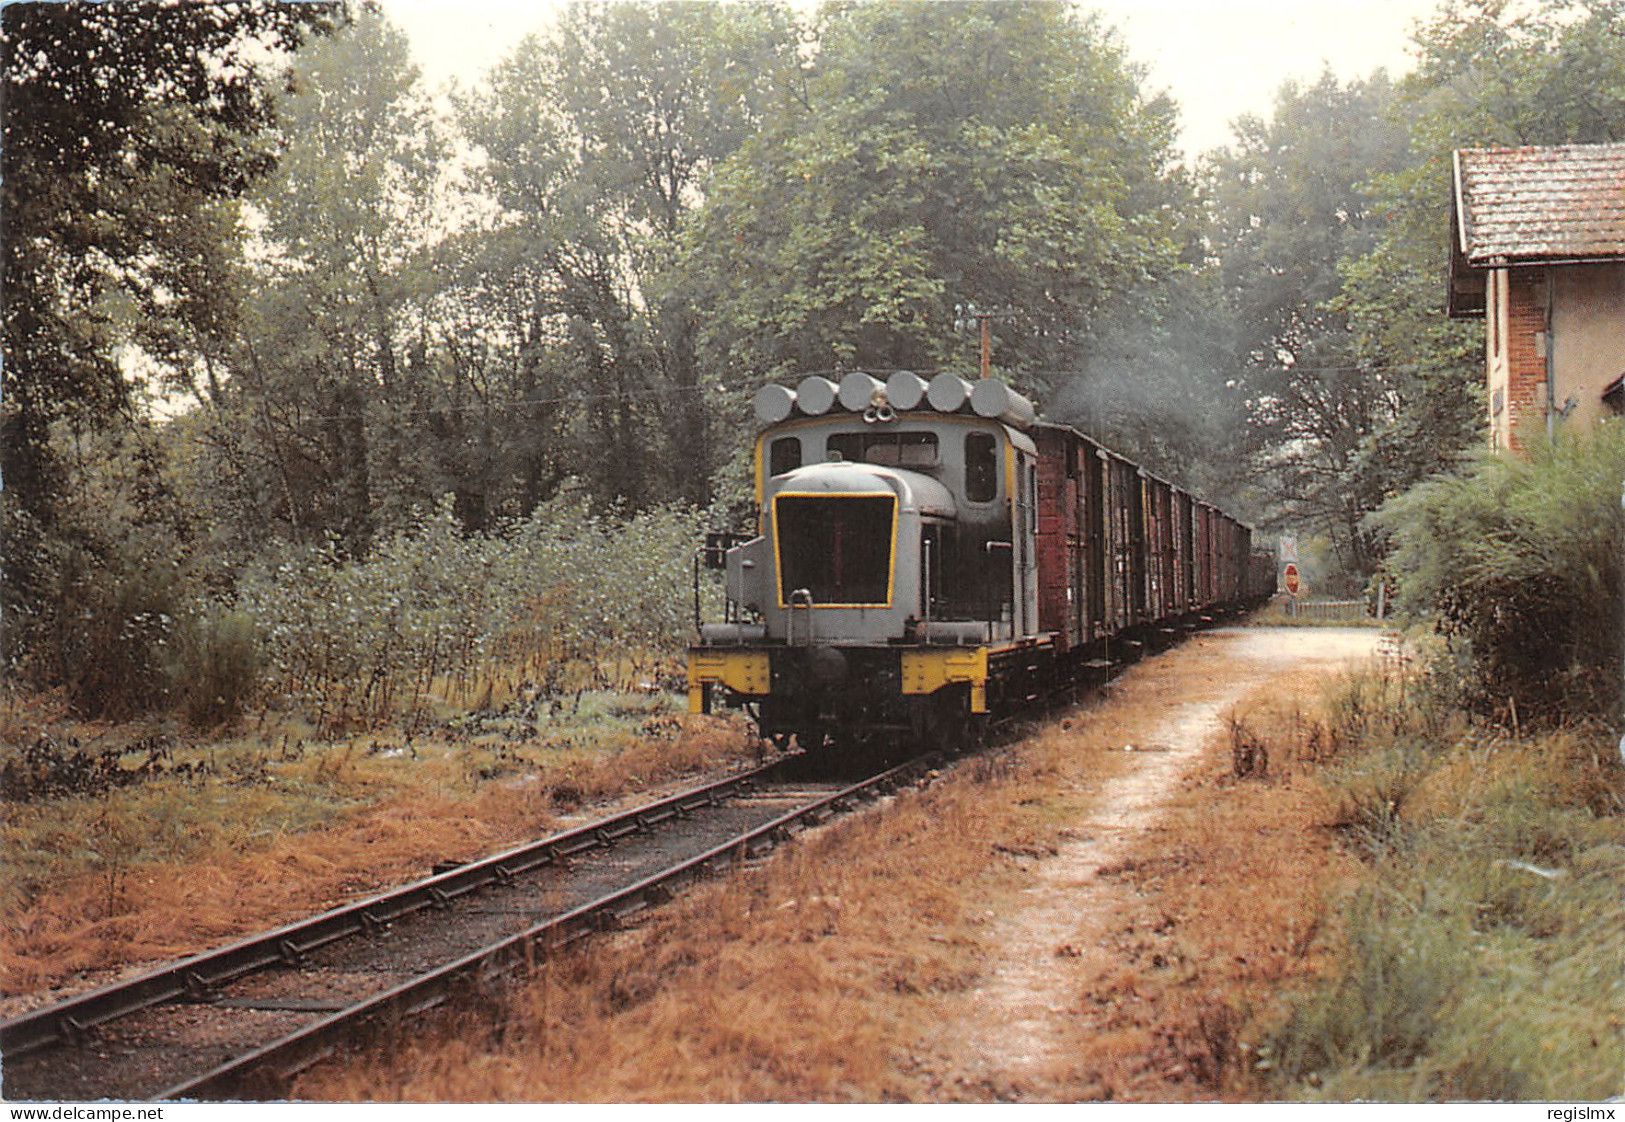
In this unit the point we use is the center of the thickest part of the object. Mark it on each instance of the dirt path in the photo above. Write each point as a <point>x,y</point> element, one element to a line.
<point>1022,1035</point>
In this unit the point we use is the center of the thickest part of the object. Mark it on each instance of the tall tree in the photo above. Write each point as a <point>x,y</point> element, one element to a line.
<point>596,145</point>
<point>321,396</point>
<point>993,154</point>
<point>660,95</point>
<point>1293,202</point>
<point>128,128</point>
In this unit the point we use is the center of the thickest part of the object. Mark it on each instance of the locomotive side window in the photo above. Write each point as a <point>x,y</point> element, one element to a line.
<point>783,455</point>
<point>838,548</point>
<point>981,467</point>
<point>887,449</point>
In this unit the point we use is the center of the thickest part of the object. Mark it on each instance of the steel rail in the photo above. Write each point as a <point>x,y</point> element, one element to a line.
<point>273,1065</point>
<point>194,978</point>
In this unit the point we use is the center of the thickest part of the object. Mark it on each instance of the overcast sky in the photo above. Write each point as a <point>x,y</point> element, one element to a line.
<point>1219,58</point>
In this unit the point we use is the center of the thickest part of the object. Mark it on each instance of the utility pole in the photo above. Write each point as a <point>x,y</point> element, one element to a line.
<point>964,314</point>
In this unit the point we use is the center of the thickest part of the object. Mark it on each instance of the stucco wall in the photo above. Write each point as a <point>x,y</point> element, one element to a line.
<point>1588,336</point>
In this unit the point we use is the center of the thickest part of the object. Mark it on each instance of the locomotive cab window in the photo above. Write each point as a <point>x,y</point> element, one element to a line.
<point>838,548</point>
<point>981,467</point>
<point>783,455</point>
<point>914,450</point>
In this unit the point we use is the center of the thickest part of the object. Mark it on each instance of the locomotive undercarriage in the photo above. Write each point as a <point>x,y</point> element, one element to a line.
<point>847,697</point>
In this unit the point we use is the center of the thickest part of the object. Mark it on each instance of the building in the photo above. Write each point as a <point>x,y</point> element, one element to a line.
<point>1537,248</point>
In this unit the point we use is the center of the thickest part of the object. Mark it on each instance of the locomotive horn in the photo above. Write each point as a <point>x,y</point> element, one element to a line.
<point>879,408</point>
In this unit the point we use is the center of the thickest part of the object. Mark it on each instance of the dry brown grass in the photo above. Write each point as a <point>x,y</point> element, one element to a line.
<point>879,959</point>
<point>173,867</point>
<point>1228,923</point>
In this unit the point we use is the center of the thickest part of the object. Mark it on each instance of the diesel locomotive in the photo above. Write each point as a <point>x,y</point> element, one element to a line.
<point>929,553</point>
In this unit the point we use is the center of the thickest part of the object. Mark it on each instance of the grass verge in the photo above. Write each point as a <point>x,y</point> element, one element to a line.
<point>1483,949</point>
<point>198,842</point>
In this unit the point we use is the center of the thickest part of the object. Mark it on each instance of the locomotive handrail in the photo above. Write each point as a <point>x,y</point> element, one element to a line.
<point>803,598</point>
<point>925,589</point>
<point>698,622</point>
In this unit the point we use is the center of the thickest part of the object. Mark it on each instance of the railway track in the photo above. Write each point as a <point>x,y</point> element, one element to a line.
<point>241,1021</point>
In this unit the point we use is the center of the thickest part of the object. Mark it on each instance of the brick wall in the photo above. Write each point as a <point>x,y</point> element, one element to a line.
<point>1526,365</point>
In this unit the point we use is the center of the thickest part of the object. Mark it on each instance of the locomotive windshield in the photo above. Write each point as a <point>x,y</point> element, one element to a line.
<point>886,448</point>
<point>836,547</point>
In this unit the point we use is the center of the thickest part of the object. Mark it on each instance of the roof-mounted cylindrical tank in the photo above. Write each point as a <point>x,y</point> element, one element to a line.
<point>905,390</point>
<point>948,393</point>
<point>858,391</point>
<point>992,398</point>
<point>774,403</point>
<point>815,396</point>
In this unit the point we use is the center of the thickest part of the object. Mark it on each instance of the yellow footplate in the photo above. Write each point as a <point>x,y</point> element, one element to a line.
<point>743,671</point>
<point>928,669</point>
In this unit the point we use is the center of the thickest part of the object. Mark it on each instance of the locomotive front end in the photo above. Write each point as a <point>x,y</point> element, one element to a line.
<point>885,564</point>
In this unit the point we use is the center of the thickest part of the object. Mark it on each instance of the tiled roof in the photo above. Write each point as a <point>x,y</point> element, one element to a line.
<point>1565,203</point>
<point>1532,206</point>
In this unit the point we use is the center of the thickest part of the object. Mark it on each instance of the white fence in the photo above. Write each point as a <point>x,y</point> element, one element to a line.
<point>1327,609</point>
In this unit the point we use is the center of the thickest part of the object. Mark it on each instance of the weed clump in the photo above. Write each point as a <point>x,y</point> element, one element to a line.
<point>1518,562</point>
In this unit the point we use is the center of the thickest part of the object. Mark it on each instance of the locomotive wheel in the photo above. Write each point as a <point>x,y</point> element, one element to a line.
<point>942,721</point>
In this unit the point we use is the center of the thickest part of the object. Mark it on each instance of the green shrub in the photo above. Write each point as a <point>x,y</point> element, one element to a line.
<point>563,600</point>
<point>218,671</point>
<point>1519,562</point>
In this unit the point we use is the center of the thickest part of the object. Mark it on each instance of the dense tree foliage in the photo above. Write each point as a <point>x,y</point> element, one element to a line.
<point>129,128</point>
<point>316,425</point>
<point>1293,201</point>
<point>995,155</point>
<point>556,294</point>
<point>596,145</point>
